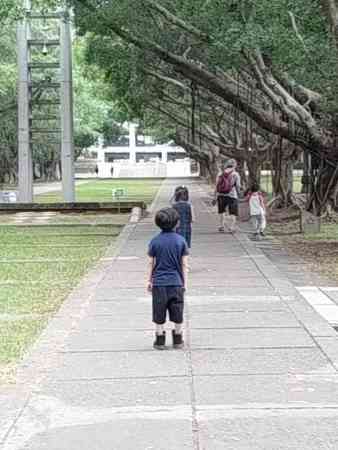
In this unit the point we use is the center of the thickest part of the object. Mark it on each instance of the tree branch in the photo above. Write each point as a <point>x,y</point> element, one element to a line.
<point>178,22</point>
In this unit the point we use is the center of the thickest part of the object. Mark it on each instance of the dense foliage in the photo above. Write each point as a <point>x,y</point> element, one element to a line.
<point>269,62</point>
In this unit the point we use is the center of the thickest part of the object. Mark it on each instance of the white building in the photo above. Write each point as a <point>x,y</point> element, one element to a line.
<point>140,159</point>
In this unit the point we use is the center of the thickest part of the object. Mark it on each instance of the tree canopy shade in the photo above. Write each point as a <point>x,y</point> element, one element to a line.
<point>273,61</point>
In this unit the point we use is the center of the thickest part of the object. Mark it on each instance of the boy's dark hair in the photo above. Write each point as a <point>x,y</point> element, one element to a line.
<point>255,187</point>
<point>181,194</point>
<point>167,219</point>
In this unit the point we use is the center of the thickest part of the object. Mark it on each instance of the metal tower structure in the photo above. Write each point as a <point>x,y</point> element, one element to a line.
<point>45,95</point>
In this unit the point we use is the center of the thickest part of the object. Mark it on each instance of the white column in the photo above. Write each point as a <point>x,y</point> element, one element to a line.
<point>25,164</point>
<point>132,143</point>
<point>164,155</point>
<point>67,124</point>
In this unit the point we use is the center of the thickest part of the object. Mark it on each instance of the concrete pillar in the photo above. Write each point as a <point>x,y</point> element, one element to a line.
<point>132,143</point>
<point>25,164</point>
<point>67,120</point>
<point>165,156</point>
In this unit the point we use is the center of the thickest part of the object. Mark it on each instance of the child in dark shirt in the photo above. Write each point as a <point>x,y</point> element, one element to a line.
<point>167,278</point>
<point>186,213</point>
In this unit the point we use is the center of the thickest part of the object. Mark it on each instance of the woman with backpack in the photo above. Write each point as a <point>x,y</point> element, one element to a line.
<point>227,193</point>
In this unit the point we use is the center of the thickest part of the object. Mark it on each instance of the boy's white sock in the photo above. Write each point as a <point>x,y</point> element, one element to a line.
<point>159,329</point>
<point>178,328</point>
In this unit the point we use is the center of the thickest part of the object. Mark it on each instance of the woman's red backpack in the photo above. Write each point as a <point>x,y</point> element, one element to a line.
<point>225,183</point>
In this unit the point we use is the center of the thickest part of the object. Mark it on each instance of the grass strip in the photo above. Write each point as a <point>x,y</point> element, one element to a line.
<point>101,191</point>
<point>29,285</point>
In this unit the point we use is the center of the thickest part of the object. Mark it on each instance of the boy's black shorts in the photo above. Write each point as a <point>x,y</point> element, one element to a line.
<point>224,202</point>
<point>169,298</point>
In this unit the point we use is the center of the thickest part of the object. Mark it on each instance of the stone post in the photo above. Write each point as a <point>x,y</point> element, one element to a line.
<point>67,125</point>
<point>25,164</point>
<point>132,143</point>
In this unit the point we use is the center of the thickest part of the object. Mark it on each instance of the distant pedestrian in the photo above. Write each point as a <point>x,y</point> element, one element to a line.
<point>167,277</point>
<point>227,193</point>
<point>97,170</point>
<point>257,210</point>
<point>186,213</point>
<point>173,197</point>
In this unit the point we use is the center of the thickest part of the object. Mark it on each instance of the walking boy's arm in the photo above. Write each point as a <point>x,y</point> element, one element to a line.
<point>149,280</point>
<point>185,269</point>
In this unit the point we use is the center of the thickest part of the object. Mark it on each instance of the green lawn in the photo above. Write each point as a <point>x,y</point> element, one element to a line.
<point>38,267</point>
<point>101,191</point>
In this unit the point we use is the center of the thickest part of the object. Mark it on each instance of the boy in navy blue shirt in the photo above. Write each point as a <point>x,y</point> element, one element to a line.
<point>167,280</point>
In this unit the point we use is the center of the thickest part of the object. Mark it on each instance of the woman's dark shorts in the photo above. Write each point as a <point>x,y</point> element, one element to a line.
<point>224,202</point>
<point>168,298</point>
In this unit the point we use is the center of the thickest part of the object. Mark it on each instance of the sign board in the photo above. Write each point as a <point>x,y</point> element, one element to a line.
<point>9,197</point>
<point>119,193</point>
<point>310,223</point>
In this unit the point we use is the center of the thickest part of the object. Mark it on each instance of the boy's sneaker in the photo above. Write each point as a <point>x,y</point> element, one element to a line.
<point>177,340</point>
<point>262,233</point>
<point>221,229</point>
<point>159,342</point>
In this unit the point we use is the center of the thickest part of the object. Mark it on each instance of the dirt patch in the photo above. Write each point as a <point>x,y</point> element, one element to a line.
<point>318,251</point>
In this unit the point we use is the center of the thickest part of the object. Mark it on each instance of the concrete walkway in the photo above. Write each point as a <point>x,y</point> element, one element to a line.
<point>259,370</point>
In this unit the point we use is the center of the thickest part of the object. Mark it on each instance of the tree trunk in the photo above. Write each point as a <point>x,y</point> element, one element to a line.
<point>241,168</point>
<point>324,189</point>
<point>213,169</point>
<point>306,173</point>
<point>254,171</point>
<point>282,178</point>
<point>203,169</point>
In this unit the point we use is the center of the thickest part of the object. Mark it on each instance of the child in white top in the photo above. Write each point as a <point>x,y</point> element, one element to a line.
<point>257,210</point>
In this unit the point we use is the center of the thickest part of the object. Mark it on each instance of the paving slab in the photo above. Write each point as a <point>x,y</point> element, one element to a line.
<point>100,430</point>
<point>120,307</point>
<point>267,391</point>
<point>332,294</point>
<point>243,290</point>
<point>109,365</point>
<point>110,293</point>
<point>252,284</point>
<point>208,304</point>
<point>11,404</point>
<point>269,429</point>
<point>121,317</point>
<point>261,361</point>
<point>110,340</point>
<point>250,338</point>
<point>330,346</point>
<point>157,391</point>
<point>243,319</point>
